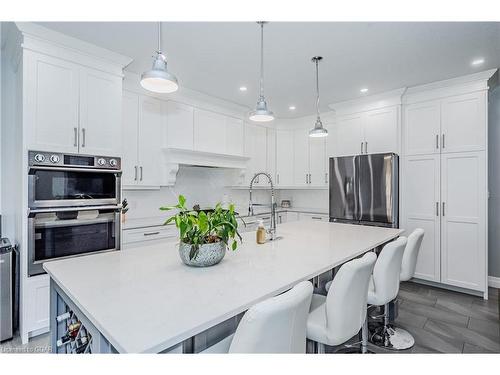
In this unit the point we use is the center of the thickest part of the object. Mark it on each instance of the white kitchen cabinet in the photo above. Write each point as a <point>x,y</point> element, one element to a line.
<point>234,136</point>
<point>130,129</point>
<point>463,223</point>
<point>100,113</point>
<point>422,128</point>
<point>209,131</point>
<point>284,152</point>
<point>71,108</point>
<point>318,172</point>
<point>381,131</point>
<point>37,290</point>
<point>141,134</point>
<point>301,157</point>
<point>51,89</point>
<point>313,217</point>
<point>421,184</point>
<point>137,237</point>
<point>464,123</point>
<point>256,150</point>
<point>149,142</point>
<point>180,130</point>
<point>350,136</point>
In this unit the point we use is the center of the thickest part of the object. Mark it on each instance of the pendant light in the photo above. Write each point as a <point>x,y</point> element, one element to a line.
<point>318,130</point>
<point>261,113</point>
<point>158,79</point>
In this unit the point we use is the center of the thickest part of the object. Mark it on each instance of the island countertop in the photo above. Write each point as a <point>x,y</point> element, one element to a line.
<point>145,300</point>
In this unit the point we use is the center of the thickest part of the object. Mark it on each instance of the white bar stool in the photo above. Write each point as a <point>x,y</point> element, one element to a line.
<point>340,315</point>
<point>401,339</point>
<point>276,325</point>
<point>384,286</point>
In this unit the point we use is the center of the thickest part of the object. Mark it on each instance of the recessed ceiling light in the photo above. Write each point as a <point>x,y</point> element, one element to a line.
<point>363,90</point>
<point>243,88</point>
<point>291,108</point>
<point>477,62</point>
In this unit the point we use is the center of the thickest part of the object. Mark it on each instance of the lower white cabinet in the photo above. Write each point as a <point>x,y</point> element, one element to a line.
<point>446,195</point>
<point>463,220</point>
<point>314,217</point>
<point>137,237</point>
<point>36,309</point>
<point>141,138</point>
<point>421,204</point>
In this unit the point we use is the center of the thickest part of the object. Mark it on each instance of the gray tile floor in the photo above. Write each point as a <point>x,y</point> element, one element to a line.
<point>441,322</point>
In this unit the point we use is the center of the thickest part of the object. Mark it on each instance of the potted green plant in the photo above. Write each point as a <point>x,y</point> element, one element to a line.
<point>204,234</point>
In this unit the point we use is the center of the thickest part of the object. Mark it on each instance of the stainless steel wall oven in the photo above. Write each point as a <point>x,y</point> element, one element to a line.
<point>74,206</point>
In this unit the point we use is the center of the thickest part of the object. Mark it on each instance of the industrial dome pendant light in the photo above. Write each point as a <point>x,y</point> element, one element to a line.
<point>158,79</point>
<point>318,130</point>
<point>261,113</point>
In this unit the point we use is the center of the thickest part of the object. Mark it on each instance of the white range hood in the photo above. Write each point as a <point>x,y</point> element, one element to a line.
<point>174,157</point>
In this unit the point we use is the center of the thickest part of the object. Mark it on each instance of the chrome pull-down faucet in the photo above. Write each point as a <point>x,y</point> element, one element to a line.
<point>272,228</point>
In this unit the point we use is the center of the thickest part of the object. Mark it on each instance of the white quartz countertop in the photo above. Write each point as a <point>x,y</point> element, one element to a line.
<point>146,300</point>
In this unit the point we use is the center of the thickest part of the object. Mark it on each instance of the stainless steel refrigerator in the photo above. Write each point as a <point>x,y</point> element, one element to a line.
<point>364,189</point>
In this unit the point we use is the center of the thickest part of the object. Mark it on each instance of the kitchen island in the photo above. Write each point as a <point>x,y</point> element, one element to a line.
<point>144,300</point>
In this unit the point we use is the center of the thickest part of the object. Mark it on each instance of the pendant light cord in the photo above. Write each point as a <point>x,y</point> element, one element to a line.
<point>261,59</point>
<point>317,89</point>
<point>159,38</point>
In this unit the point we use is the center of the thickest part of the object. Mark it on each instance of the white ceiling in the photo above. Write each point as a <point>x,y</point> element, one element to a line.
<point>217,58</point>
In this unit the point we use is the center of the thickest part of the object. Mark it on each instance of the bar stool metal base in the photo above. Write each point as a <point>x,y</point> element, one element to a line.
<point>392,338</point>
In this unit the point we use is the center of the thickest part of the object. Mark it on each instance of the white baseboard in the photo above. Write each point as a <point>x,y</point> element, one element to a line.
<point>494,282</point>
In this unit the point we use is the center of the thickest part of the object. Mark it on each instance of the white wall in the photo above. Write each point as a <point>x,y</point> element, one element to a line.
<point>310,199</point>
<point>494,183</point>
<point>200,185</point>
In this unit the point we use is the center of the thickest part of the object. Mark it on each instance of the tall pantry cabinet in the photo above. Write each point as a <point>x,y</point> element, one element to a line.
<point>444,180</point>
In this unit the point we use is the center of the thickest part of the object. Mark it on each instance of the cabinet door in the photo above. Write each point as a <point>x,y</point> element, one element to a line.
<point>271,153</point>
<point>317,162</point>
<point>130,126</point>
<point>179,126</point>
<point>150,157</point>
<point>51,103</point>
<point>421,200</point>
<point>284,160</point>
<point>36,298</point>
<point>463,123</point>
<point>422,127</point>
<point>256,150</point>
<point>209,132</point>
<point>234,136</point>
<point>464,199</point>
<point>381,131</point>
<point>100,113</point>
<point>300,157</point>
<point>349,135</point>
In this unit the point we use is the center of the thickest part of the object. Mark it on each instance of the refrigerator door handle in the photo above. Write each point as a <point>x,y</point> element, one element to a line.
<point>437,208</point>
<point>442,210</point>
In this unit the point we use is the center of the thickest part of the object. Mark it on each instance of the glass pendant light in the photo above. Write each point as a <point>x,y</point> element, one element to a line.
<point>158,79</point>
<point>261,113</point>
<point>318,130</point>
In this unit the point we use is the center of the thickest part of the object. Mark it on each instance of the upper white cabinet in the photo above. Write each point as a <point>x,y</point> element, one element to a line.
<point>368,132</point>
<point>318,168</point>
<point>180,132</point>
<point>256,150</point>
<point>350,137</point>
<point>284,151</point>
<point>209,132</point>
<point>71,108</point>
<point>141,135</point>
<point>381,131</point>
<point>463,122</point>
<point>453,124</point>
<point>234,130</point>
<point>300,157</point>
<point>100,112</point>
<point>422,128</point>
<point>51,91</point>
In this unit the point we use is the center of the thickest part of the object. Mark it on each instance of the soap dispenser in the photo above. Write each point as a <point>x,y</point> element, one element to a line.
<point>261,232</point>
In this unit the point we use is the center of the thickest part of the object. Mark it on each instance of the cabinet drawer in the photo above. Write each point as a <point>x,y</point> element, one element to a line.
<point>316,217</point>
<point>149,234</point>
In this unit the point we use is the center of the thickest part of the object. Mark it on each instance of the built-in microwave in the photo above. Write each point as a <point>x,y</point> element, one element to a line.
<point>68,180</point>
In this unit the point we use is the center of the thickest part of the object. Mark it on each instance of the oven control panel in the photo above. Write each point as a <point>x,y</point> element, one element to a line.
<point>54,159</point>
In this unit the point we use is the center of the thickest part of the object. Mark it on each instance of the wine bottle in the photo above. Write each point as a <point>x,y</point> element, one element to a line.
<point>64,340</point>
<point>74,327</point>
<point>63,317</point>
<point>80,349</point>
